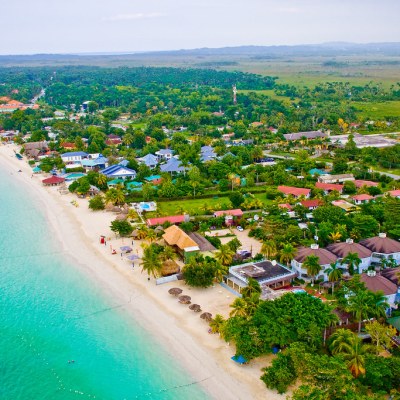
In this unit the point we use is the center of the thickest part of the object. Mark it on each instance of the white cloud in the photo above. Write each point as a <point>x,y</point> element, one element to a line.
<point>289,10</point>
<point>133,16</point>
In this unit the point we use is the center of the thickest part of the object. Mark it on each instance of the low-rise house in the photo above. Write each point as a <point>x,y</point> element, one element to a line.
<point>378,283</point>
<point>325,259</point>
<point>149,160</point>
<point>360,183</point>
<point>53,181</point>
<point>286,206</point>
<point>154,179</point>
<point>230,215</point>
<point>173,165</point>
<point>119,171</point>
<point>269,274</point>
<point>95,163</point>
<point>382,247</point>
<point>173,219</point>
<point>113,140</point>
<point>35,149</point>
<point>207,153</point>
<point>394,193</point>
<point>68,146</point>
<point>335,178</point>
<point>181,241</point>
<point>362,198</point>
<point>329,187</point>
<point>294,191</point>
<point>345,206</point>
<point>342,249</point>
<point>312,204</point>
<point>74,157</point>
<point>393,274</point>
<point>164,154</point>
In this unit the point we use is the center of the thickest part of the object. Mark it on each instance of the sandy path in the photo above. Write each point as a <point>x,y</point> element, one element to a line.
<point>181,331</point>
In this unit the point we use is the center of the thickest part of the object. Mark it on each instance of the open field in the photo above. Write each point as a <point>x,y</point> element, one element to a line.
<point>378,110</point>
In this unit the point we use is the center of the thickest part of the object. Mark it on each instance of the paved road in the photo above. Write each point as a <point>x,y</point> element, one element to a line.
<point>393,176</point>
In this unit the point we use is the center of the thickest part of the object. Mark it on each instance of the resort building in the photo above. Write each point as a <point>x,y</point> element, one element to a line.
<point>207,153</point>
<point>230,215</point>
<point>74,157</point>
<point>382,247</point>
<point>268,274</point>
<point>173,219</point>
<point>95,163</point>
<point>311,204</point>
<point>375,283</point>
<point>164,154</point>
<point>181,242</point>
<point>173,165</point>
<point>304,135</point>
<point>394,193</point>
<point>342,249</point>
<point>325,259</point>
<point>150,160</point>
<point>119,171</point>
<point>53,181</point>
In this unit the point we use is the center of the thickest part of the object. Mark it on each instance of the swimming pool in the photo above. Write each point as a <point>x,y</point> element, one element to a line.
<point>73,176</point>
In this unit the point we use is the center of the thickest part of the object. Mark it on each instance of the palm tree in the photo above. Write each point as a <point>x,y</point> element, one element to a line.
<point>360,306</point>
<point>378,304</point>
<point>252,303</point>
<point>311,264</point>
<point>142,232</point>
<point>232,178</point>
<point>349,345</point>
<point>268,249</point>
<point>239,308</point>
<point>127,139</point>
<point>252,287</point>
<point>335,236</point>
<point>115,196</point>
<point>220,271</point>
<point>151,235</point>
<point>151,262</point>
<point>353,261</point>
<point>217,323</point>
<point>287,253</point>
<point>224,255</point>
<point>101,180</point>
<point>340,339</point>
<point>168,253</point>
<point>334,273</point>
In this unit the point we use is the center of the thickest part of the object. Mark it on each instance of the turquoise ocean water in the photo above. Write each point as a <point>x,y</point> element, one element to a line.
<point>51,314</point>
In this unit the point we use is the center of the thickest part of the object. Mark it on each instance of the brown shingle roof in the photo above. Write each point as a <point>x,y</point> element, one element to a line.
<point>325,256</point>
<point>378,282</point>
<point>381,244</point>
<point>202,242</point>
<point>391,274</point>
<point>342,249</point>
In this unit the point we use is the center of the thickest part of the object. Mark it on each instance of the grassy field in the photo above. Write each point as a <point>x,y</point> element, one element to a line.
<point>378,110</point>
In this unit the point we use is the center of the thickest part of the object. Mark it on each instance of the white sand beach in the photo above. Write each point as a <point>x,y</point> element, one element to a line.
<point>205,356</point>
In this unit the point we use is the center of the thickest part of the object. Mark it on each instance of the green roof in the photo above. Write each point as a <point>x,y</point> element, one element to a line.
<point>395,322</point>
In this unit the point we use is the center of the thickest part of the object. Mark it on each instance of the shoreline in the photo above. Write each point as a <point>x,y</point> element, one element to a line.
<point>180,331</point>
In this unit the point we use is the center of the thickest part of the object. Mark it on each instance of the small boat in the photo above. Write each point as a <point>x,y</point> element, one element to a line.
<point>18,156</point>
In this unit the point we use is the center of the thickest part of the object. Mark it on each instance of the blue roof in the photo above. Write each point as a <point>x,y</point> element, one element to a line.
<point>172,165</point>
<point>74,154</point>
<point>118,170</point>
<point>96,161</point>
<point>124,163</point>
<point>164,151</point>
<point>149,160</point>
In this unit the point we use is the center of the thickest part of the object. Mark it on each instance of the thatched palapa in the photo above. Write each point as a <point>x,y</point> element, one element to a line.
<point>184,299</point>
<point>206,316</point>
<point>175,291</point>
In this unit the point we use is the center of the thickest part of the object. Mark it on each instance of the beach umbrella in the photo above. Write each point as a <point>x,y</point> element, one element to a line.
<point>195,307</point>
<point>133,257</point>
<point>239,359</point>
<point>184,299</point>
<point>126,249</point>
<point>158,229</point>
<point>206,316</point>
<point>175,291</point>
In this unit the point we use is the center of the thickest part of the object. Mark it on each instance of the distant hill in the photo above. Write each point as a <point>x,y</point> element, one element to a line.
<point>239,52</point>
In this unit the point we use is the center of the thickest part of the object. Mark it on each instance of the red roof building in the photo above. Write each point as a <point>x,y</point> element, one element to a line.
<point>234,213</point>
<point>360,183</point>
<point>395,193</point>
<point>53,181</point>
<point>294,191</point>
<point>174,219</point>
<point>312,204</point>
<point>67,145</point>
<point>362,198</point>
<point>329,187</point>
<point>286,206</point>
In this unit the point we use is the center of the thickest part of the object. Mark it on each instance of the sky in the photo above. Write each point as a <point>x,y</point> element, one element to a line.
<point>84,26</point>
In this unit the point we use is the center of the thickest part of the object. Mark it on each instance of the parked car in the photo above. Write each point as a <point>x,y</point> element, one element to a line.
<point>239,228</point>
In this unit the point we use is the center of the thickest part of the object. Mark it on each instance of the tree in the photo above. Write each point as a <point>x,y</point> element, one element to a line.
<point>340,340</point>
<point>151,261</point>
<point>252,287</point>
<point>353,261</point>
<point>239,308</point>
<point>334,273</point>
<point>96,203</point>
<point>312,265</point>
<point>236,199</point>
<point>280,374</point>
<point>199,271</point>
<point>330,214</point>
<point>360,305</point>
<point>381,335</point>
<point>217,323</point>
<point>115,196</point>
<point>219,271</point>
<point>224,255</point>
<point>287,253</point>
<point>234,244</point>
<point>123,228</point>
<point>268,249</point>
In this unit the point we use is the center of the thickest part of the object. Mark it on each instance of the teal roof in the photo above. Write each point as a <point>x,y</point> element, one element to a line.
<point>134,184</point>
<point>36,169</point>
<point>115,182</point>
<point>152,178</point>
<point>315,171</point>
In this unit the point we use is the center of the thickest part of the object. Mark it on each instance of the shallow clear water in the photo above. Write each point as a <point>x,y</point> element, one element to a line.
<point>51,315</point>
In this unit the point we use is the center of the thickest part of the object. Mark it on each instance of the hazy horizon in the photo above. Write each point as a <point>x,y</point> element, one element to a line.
<point>98,26</point>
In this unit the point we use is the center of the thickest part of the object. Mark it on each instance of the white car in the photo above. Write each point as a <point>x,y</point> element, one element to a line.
<point>239,228</point>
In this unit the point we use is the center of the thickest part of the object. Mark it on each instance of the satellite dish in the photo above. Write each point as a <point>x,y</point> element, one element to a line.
<point>273,262</point>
